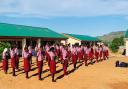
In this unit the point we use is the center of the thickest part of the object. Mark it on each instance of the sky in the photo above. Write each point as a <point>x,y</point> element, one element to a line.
<point>85,17</point>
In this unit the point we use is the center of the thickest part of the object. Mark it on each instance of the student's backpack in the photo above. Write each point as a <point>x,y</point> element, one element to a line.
<point>123,64</point>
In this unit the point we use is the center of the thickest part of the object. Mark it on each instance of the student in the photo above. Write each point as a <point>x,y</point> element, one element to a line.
<point>47,48</point>
<point>80,55</point>
<point>97,53</point>
<point>65,60</point>
<point>57,50</point>
<point>26,55</point>
<point>52,63</point>
<point>13,60</point>
<point>17,58</point>
<point>30,53</point>
<point>105,52</point>
<point>74,56</point>
<point>40,62</point>
<point>100,52</point>
<point>90,54</point>
<point>36,50</point>
<point>86,55</point>
<point>5,60</point>
<point>69,52</point>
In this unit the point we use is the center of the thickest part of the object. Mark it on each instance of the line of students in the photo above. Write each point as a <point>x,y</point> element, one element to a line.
<point>64,54</point>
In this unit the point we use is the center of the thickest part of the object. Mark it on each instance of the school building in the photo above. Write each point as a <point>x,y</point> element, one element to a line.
<point>79,39</point>
<point>126,43</point>
<point>26,35</point>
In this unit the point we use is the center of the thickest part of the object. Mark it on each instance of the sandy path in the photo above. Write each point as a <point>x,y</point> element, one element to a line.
<point>103,75</point>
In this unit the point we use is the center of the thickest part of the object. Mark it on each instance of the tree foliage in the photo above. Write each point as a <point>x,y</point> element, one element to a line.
<point>114,45</point>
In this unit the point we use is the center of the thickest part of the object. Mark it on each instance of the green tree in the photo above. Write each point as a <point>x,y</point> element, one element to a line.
<point>114,45</point>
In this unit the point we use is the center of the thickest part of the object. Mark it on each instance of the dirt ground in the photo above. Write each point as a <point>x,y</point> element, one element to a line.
<point>102,75</point>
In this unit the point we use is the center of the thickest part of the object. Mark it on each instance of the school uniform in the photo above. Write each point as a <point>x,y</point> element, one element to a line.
<point>25,56</point>
<point>4,62</point>
<point>17,58</point>
<point>74,56</point>
<point>101,53</point>
<point>13,61</point>
<point>69,53</point>
<point>40,63</point>
<point>36,50</point>
<point>30,53</point>
<point>80,55</point>
<point>57,51</point>
<point>105,52</point>
<point>52,64</point>
<point>96,53</point>
<point>65,61</point>
<point>48,59</point>
<point>86,55</point>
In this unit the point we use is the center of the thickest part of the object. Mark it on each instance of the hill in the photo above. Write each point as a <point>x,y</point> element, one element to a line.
<point>109,37</point>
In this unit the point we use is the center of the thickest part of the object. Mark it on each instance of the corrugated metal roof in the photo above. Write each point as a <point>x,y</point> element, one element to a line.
<point>83,37</point>
<point>27,31</point>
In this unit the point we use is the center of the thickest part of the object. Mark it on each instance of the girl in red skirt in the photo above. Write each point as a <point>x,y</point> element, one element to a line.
<point>52,63</point>
<point>25,55</point>
<point>17,58</point>
<point>5,60</point>
<point>74,56</point>
<point>86,54</point>
<point>97,53</point>
<point>80,56</point>
<point>69,53</point>
<point>91,56</point>
<point>47,48</point>
<point>65,60</point>
<point>13,60</point>
<point>105,52</point>
<point>101,52</point>
<point>40,62</point>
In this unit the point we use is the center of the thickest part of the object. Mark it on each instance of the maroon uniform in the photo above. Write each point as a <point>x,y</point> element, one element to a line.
<point>25,56</point>
<point>40,63</point>
<point>4,61</point>
<point>65,61</point>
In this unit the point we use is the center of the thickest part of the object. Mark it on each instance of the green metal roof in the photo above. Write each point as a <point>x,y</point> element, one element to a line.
<point>126,34</point>
<point>83,37</point>
<point>27,31</point>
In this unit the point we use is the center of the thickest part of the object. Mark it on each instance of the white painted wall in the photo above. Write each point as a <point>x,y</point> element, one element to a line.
<point>126,47</point>
<point>23,43</point>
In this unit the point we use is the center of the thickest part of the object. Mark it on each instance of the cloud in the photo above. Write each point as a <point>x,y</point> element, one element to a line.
<point>60,8</point>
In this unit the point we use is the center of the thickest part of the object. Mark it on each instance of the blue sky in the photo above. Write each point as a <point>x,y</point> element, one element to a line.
<point>87,17</point>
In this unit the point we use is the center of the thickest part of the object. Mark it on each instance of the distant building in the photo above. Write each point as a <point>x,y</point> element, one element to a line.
<point>79,39</point>
<point>126,42</point>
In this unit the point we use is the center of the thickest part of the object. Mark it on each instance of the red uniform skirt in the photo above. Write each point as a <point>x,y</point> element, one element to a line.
<point>91,56</point>
<point>80,55</point>
<point>101,54</point>
<point>58,52</point>
<point>52,67</point>
<point>69,55</point>
<point>26,65</point>
<point>5,64</point>
<point>48,58</point>
<point>106,53</point>
<point>13,62</point>
<point>17,60</point>
<point>74,58</point>
<point>65,65</point>
<point>96,54</point>
<point>40,65</point>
